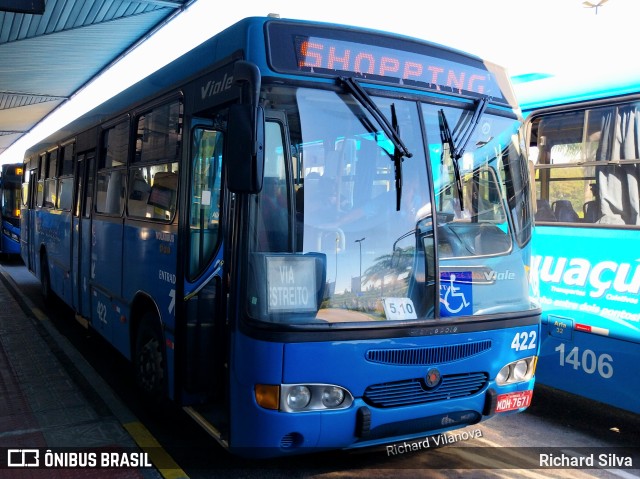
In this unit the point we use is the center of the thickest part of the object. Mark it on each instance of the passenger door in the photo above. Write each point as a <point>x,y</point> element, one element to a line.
<point>107,226</point>
<point>81,232</point>
<point>203,278</point>
<point>27,222</point>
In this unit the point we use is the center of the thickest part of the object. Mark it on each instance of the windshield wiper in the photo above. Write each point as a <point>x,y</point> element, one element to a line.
<point>459,144</point>
<point>390,128</point>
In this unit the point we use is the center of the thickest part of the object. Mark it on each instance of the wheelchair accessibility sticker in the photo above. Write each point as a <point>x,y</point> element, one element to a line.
<point>456,298</point>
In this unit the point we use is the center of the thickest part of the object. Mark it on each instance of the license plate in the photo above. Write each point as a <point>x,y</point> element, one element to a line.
<point>512,401</point>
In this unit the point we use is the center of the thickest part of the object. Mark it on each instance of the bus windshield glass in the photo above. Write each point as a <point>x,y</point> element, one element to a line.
<point>490,170</point>
<point>330,241</point>
<point>11,199</point>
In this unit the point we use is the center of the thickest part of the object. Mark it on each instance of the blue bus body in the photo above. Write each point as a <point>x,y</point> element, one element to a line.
<point>245,226</point>
<point>585,258</point>
<point>10,187</point>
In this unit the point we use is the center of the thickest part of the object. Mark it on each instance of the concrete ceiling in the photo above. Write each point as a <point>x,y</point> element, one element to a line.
<point>45,58</point>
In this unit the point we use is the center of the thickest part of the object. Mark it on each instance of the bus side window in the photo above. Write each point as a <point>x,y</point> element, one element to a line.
<point>64,200</point>
<point>153,177</point>
<point>163,193</point>
<point>579,169</point>
<point>88,195</point>
<point>110,192</point>
<point>50,193</point>
<point>138,193</point>
<point>273,211</point>
<point>153,191</point>
<point>111,184</point>
<point>205,198</point>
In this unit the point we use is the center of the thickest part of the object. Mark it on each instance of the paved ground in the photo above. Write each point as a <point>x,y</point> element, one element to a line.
<point>50,398</point>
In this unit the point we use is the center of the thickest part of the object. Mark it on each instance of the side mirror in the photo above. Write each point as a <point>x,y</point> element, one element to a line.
<point>245,149</point>
<point>245,133</point>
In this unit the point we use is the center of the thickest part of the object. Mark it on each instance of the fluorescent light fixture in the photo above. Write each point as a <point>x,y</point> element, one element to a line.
<point>194,25</point>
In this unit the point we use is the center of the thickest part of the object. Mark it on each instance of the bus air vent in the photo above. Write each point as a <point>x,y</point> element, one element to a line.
<point>293,439</point>
<point>428,356</point>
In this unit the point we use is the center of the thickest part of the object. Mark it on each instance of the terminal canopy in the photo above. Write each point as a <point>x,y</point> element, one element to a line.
<point>46,56</point>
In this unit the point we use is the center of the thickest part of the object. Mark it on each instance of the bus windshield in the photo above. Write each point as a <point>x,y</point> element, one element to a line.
<point>11,199</point>
<point>331,242</point>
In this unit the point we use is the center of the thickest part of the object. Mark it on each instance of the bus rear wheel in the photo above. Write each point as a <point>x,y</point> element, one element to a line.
<point>150,363</point>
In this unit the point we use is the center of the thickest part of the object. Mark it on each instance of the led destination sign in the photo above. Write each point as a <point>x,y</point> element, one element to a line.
<point>322,51</point>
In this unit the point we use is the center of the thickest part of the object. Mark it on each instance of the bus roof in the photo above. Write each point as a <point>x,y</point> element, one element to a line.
<point>547,92</point>
<point>232,41</point>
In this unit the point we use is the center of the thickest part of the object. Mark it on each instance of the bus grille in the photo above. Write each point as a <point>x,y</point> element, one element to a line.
<point>414,391</point>
<point>428,356</point>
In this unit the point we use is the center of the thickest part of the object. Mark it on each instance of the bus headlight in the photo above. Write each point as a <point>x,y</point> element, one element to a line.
<point>332,396</point>
<point>518,371</point>
<point>503,375</point>
<point>311,397</point>
<point>298,397</point>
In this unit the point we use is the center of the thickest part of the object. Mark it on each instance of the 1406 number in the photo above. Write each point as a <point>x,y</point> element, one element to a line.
<point>588,361</point>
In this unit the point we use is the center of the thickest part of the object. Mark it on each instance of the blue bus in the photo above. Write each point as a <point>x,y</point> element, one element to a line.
<point>10,188</point>
<point>586,153</point>
<point>309,236</point>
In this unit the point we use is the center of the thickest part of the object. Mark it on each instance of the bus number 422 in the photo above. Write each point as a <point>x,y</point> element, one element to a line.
<point>588,361</point>
<point>524,341</point>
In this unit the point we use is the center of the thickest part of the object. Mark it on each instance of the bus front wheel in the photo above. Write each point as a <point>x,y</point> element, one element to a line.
<point>150,364</point>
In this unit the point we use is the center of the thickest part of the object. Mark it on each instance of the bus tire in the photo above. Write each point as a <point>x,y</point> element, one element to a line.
<point>149,360</point>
